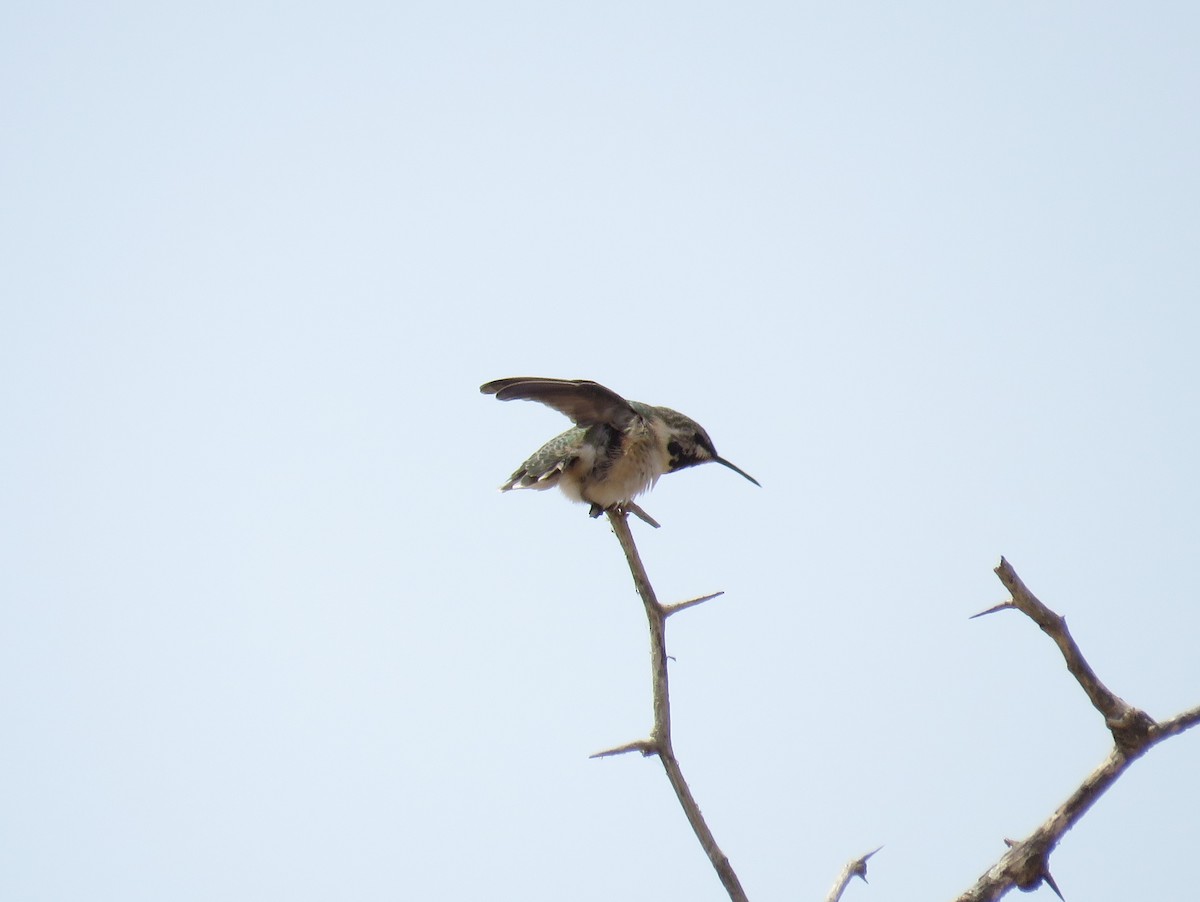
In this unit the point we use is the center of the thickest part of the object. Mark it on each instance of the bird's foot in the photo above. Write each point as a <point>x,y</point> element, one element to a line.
<point>621,509</point>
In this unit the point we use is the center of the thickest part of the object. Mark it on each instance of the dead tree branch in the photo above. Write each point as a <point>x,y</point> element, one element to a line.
<point>1026,864</point>
<point>659,742</point>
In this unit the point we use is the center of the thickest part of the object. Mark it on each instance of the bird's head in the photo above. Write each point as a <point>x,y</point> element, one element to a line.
<point>688,445</point>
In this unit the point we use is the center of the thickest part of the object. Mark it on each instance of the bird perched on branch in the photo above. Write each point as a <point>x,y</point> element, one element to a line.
<point>616,450</point>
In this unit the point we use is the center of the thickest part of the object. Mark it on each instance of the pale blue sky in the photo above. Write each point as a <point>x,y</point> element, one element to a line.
<point>930,273</point>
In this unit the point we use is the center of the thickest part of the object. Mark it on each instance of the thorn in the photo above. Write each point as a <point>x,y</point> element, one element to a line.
<point>1003,606</point>
<point>642,515</point>
<point>1054,886</point>
<point>670,609</point>
<point>646,746</point>
<point>1033,881</point>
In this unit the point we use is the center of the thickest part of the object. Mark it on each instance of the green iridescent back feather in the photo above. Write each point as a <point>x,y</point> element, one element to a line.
<point>551,456</point>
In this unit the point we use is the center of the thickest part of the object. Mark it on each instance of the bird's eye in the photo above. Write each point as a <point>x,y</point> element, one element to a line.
<point>673,448</point>
<point>697,439</point>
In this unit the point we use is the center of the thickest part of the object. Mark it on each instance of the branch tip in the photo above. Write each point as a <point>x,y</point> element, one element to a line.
<point>855,868</point>
<point>860,866</point>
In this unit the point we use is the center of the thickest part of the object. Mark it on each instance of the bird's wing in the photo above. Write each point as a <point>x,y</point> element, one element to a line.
<point>585,402</point>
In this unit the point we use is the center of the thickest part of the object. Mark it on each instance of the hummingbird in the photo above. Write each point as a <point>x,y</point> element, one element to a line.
<point>616,450</point>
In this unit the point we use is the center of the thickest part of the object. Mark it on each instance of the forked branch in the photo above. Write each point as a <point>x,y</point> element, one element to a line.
<point>1026,864</point>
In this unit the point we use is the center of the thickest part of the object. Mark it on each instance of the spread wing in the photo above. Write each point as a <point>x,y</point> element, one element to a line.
<point>587,403</point>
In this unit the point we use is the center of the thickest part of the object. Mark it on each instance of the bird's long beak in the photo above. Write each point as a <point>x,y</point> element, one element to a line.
<point>723,462</point>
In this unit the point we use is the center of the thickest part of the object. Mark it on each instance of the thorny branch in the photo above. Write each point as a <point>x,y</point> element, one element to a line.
<point>1026,864</point>
<point>659,742</point>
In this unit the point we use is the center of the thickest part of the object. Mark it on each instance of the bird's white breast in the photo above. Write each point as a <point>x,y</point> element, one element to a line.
<point>644,459</point>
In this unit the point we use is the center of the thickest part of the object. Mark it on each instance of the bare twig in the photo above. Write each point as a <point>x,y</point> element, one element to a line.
<point>855,868</point>
<point>1129,725</point>
<point>1026,863</point>
<point>1180,722</point>
<point>659,742</point>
